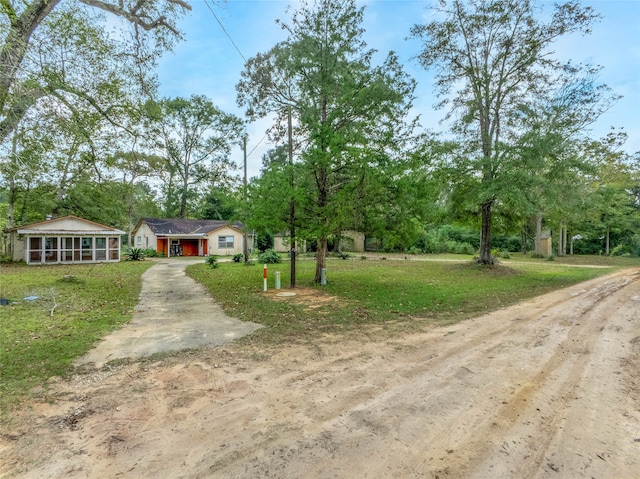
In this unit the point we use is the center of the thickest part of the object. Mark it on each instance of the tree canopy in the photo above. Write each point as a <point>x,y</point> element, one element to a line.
<point>493,62</point>
<point>349,114</point>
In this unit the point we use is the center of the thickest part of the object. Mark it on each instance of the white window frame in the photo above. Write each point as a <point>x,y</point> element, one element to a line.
<point>226,241</point>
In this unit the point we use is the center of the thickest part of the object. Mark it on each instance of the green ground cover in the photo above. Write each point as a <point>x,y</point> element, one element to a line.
<point>76,306</point>
<point>408,293</point>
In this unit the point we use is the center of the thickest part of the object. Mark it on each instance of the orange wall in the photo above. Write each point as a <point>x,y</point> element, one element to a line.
<point>189,247</point>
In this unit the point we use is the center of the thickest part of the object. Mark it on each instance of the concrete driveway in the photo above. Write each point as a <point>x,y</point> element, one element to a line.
<point>174,312</point>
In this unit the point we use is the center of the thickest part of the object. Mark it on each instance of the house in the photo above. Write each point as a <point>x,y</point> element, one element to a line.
<point>187,237</point>
<point>67,239</point>
<point>352,241</point>
<point>349,240</point>
<point>282,243</point>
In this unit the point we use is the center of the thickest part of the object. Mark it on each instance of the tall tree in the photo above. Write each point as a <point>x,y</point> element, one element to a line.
<point>26,34</point>
<point>492,57</point>
<point>349,115</point>
<point>197,138</point>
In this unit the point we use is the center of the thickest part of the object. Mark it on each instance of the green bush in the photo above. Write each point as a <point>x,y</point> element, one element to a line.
<point>152,253</point>
<point>238,257</point>
<point>269,257</point>
<point>212,261</point>
<point>134,254</point>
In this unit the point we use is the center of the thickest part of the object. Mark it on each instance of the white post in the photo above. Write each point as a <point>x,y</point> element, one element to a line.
<point>264,276</point>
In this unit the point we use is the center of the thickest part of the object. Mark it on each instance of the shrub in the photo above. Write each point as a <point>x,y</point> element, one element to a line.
<point>213,262</point>
<point>134,254</point>
<point>269,257</point>
<point>152,253</point>
<point>238,257</point>
<point>343,255</point>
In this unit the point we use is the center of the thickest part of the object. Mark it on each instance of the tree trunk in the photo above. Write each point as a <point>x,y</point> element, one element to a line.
<point>560,230</point>
<point>538,240</point>
<point>564,241</point>
<point>321,259</point>
<point>485,235</point>
<point>571,247</point>
<point>607,243</point>
<point>12,55</point>
<point>183,198</point>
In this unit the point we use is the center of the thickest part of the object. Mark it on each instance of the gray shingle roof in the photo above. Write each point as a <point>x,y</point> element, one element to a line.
<point>165,226</point>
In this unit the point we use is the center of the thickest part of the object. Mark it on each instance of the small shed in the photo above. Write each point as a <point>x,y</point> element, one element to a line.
<point>282,243</point>
<point>67,239</point>
<point>189,237</point>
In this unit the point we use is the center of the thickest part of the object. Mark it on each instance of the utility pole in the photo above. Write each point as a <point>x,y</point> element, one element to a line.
<point>292,211</point>
<point>245,246</point>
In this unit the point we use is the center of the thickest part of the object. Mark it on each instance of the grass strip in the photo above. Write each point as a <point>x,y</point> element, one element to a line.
<point>70,307</point>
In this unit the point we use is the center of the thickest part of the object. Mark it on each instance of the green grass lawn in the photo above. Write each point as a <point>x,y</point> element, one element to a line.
<point>76,306</point>
<point>406,293</point>
<point>79,304</point>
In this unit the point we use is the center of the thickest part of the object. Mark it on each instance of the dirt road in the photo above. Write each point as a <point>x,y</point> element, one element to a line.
<point>546,389</point>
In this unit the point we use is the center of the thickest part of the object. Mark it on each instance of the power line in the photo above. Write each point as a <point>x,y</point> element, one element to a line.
<point>257,145</point>
<point>239,53</point>
<point>225,31</point>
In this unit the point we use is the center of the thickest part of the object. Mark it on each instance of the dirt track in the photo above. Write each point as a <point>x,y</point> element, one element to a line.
<point>546,389</point>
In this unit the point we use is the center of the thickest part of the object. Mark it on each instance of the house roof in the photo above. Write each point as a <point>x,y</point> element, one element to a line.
<point>182,226</point>
<point>54,227</point>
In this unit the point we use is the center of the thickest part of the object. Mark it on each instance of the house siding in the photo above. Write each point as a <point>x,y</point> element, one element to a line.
<point>352,241</point>
<point>213,242</point>
<point>146,237</point>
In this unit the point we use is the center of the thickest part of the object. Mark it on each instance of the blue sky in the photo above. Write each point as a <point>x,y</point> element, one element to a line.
<point>207,63</point>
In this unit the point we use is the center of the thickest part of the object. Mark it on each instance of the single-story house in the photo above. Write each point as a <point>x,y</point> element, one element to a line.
<point>352,241</point>
<point>67,239</point>
<point>282,243</point>
<point>187,237</point>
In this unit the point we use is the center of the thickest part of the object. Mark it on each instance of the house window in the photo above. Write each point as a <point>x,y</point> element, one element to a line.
<point>225,242</point>
<point>51,250</point>
<point>114,249</point>
<point>87,249</point>
<point>139,240</point>
<point>101,249</point>
<point>66,249</point>
<point>35,250</point>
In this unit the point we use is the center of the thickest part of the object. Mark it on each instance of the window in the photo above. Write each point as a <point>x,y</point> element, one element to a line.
<point>51,250</point>
<point>87,249</point>
<point>35,250</point>
<point>101,249</point>
<point>138,240</point>
<point>225,242</point>
<point>114,249</point>
<point>66,246</point>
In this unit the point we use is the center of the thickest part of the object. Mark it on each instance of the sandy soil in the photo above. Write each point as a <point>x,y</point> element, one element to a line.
<point>546,389</point>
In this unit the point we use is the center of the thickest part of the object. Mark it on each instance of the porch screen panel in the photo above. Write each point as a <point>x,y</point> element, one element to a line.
<point>66,249</point>
<point>76,249</point>
<point>51,249</point>
<point>101,249</point>
<point>87,249</point>
<point>35,250</point>
<point>114,249</point>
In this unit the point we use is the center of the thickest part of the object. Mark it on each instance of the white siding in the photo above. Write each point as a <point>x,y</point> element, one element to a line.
<point>226,231</point>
